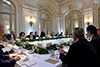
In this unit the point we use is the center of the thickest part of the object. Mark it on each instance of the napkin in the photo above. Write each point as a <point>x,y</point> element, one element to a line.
<point>30,63</point>
<point>52,61</point>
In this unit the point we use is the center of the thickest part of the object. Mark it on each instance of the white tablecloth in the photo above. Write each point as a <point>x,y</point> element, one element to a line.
<point>37,58</point>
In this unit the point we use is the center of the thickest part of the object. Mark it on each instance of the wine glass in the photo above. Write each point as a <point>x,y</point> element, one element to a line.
<point>57,46</point>
<point>57,54</point>
<point>24,45</point>
<point>33,48</point>
<point>21,45</point>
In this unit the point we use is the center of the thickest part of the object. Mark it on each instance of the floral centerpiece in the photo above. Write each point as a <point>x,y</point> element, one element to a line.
<point>42,50</point>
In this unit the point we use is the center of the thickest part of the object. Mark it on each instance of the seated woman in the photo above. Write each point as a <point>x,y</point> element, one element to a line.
<point>30,36</point>
<point>48,35</point>
<point>22,35</point>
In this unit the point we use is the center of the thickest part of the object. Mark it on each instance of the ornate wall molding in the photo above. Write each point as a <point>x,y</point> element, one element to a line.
<point>78,5</point>
<point>96,1</point>
<point>48,7</point>
<point>29,11</point>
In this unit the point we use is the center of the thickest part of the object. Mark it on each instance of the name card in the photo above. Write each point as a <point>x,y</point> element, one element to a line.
<point>54,36</point>
<point>48,44</point>
<point>27,38</point>
<point>27,42</point>
<point>18,40</point>
<point>40,45</point>
<point>43,37</point>
<point>37,38</point>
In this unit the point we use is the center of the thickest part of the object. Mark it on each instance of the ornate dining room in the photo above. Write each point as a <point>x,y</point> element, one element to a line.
<point>49,33</point>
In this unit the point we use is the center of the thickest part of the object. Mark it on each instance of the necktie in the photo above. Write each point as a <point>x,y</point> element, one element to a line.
<point>12,37</point>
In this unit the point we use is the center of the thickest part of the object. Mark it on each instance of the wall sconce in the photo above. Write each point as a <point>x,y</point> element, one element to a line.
<point>31,22</point>
<point>8,27</point>
<point>88,21</point>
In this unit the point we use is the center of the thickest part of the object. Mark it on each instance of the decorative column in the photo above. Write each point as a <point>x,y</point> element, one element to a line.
<point>63,24</point>
<point>59,23</point>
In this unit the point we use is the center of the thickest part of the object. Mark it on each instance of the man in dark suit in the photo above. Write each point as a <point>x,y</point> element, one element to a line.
<point>81,53</point>
<point>52,34</point>
<point>30,36</point>
<point>35,36</point>
<point>94,38</point>
<point>42,33</point>
<point>57,35</point>
<point>2,45</point>
<point>98,31</point>
<point>6,60</point>
<point>11,36</point>
<point>61,35</point>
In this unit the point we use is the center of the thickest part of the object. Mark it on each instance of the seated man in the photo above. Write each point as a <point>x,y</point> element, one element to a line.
<point>98,31</point>
<point>94,38</point>
<point>61,34</point>
<point>11,36</point>
<point>81,53</point>
<point>6,60</point>
<point>57,35</point>
<point>52,34</point>
<point>30,36</point>
<point>35,36</point>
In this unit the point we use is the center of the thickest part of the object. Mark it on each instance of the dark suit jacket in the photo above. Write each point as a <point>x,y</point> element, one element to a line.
<point>42,34</point>
<point>28,36</point>
<point>1,51</point>
<point>80,54</point>
<point>57,35</point>
<point>9,37</point>
<point>52,35</point>
<point>5,61</point>
<point>96,43</point>
<point>34,36</point>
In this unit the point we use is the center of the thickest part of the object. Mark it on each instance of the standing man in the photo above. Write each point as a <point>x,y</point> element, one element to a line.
<point>6,60</point>
<point>94,38</point>
<point>42,33</point>
<point>81,53</point>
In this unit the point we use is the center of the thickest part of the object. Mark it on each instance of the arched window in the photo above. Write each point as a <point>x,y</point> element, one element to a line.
<point>73,19</point>
<point>7,15</point>
<point>99,16</point>
<point>45,20</point>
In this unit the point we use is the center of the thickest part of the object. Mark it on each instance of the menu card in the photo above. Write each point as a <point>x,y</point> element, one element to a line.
<point>52,61</point>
